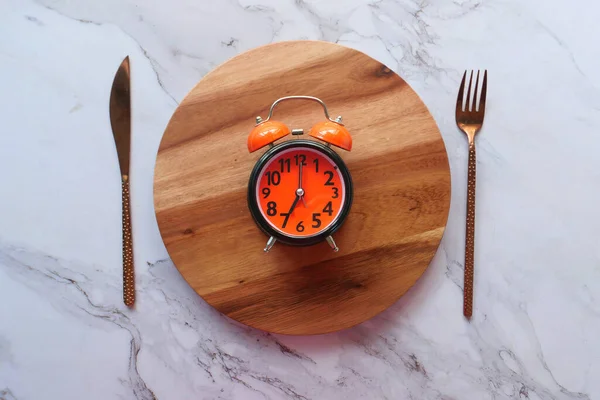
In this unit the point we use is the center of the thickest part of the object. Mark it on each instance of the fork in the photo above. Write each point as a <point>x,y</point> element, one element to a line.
<point>469,119</point>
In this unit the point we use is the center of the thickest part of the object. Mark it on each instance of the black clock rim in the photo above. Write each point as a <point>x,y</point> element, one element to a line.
<point>255,210</point>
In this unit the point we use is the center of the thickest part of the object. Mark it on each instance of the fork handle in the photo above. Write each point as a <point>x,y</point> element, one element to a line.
<point>470,239</point>
<point>128,276</point>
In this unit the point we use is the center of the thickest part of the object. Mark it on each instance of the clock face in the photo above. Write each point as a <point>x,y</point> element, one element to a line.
<point>301,191</point>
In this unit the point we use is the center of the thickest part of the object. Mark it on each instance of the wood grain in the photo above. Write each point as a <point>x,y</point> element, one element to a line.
<point>399,167</point>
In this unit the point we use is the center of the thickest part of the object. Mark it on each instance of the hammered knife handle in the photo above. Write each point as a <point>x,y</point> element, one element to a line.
<point>128,276</point>
<point>470,239</point>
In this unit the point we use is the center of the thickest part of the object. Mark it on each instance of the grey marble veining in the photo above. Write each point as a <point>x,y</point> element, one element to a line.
<point>173,338</point>
<point>64,333</point>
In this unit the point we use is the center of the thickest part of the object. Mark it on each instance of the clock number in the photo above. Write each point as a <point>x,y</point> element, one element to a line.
<point>300,227</point>
<point>302,159</point>
<point>335,193</point>
<point>330,175</point>
<point>266,192</point>
<point>285,216</point>
<point>273,178</point>
<point>283,163</point>
<point>271,208</point>
<point>316,161</point>
<point>316,220</point>
<point>328,209</point>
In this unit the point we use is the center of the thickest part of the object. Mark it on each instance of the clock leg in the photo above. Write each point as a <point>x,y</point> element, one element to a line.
<point>332,243</point>
<point>270,244</point>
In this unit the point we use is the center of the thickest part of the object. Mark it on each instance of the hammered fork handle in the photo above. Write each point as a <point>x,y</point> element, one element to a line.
<point>470,232</point>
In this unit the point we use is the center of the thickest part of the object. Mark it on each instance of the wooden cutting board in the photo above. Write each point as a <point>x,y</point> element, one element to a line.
<point>401,189</point>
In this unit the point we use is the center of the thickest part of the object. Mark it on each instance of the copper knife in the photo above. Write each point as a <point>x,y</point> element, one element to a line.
<point>120,121</point>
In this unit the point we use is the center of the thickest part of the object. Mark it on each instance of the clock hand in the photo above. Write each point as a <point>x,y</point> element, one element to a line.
<point>300,176</point>
<point>300,191</point>
<point>287,216</point>
<point>299,195</point>
<point>303,201</point>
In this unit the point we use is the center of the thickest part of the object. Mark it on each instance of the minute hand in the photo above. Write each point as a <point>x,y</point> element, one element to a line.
<point>300,176</point>
<point>300,191</point>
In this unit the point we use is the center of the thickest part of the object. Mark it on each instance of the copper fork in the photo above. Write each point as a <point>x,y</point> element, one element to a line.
<point>469,119</point>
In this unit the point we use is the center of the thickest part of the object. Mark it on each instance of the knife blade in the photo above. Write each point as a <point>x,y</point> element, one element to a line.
<point>120,121</point>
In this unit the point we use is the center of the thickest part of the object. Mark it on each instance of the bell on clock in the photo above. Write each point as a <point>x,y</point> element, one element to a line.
<point>300,191</point>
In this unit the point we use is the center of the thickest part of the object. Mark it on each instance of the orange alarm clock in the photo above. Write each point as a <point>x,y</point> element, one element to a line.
<point>300,191</point>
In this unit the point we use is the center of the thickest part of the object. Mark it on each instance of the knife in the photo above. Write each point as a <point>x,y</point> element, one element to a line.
<point>120,121</point>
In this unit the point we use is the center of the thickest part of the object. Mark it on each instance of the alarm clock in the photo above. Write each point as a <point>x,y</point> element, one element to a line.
<point>300,190</point>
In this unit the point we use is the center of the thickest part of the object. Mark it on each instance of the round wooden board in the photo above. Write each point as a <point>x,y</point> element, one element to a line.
<point>401,189</point>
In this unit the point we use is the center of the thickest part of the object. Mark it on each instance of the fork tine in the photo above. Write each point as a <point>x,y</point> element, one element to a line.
<point>475,93</point>
<point>461,92</point>
<point>483,93</point>
<point>468,102</point>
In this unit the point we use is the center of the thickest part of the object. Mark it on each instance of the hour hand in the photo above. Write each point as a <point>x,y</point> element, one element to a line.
<point>287,215</point>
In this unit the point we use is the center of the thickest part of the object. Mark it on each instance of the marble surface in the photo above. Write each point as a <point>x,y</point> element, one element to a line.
<point>64,333</point>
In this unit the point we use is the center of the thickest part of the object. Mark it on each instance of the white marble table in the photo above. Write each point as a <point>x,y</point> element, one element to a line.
<point>64,333</point>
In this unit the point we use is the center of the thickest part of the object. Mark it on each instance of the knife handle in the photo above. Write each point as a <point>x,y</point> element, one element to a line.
<point>128,276</point>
